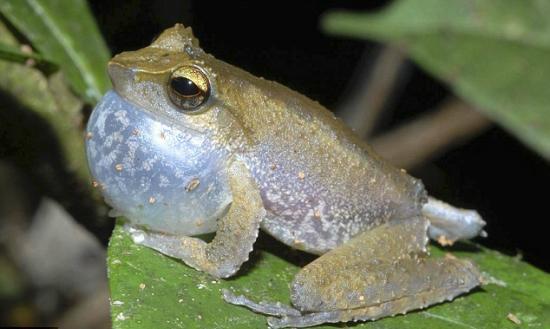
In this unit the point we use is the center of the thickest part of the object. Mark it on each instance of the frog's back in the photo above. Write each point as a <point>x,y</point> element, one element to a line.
<point>320,183</point>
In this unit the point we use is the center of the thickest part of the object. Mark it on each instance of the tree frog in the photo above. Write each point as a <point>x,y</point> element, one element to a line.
<point>186,144</point>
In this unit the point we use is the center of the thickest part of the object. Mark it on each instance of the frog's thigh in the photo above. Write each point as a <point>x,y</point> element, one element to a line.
<point>236,233</point>
<point>379,273</point>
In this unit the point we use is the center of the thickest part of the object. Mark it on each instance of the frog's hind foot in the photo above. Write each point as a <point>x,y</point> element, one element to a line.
<point>379,273</point>
<point>449,224</point>
<point>282,316</point>
<point>368,313</point>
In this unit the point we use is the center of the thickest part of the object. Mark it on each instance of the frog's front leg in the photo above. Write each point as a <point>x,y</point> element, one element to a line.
<point>379,273</point>
<point>236,232</point>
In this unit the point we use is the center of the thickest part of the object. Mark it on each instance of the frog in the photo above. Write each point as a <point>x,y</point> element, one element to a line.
<point>186,144</point>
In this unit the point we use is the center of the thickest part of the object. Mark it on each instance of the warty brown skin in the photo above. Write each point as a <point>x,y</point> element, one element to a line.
<point>320,184</point>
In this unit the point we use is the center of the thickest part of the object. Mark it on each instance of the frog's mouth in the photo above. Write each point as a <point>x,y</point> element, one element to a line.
<point>120,101</point>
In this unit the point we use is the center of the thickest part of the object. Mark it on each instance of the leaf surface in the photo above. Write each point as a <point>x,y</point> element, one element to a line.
<point>150,290</point>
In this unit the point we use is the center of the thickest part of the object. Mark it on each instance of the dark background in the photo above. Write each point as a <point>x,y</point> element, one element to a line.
<point>493,173</point>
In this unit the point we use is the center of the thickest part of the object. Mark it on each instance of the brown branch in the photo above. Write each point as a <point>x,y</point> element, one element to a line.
<point>416,142</point>
<point>372,91</point>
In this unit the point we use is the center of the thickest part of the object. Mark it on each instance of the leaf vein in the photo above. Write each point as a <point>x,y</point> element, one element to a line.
<point>453,321</point>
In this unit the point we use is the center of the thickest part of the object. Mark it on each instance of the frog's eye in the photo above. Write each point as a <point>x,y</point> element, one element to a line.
<point>188,88</point>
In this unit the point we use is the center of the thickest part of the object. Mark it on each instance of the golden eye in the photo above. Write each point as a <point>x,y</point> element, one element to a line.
<point>188,88</point>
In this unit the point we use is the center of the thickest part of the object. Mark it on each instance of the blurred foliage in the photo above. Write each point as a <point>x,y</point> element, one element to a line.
<point>14,54</point>
<point>49,97</point>
<point>150,290</point>
<point>63,35</point>
<point>52,62</point>
<point>492,53</point>
<point>10,283</point>
<point>66,34</point>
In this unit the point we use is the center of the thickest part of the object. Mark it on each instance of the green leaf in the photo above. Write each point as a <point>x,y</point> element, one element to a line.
<point>493,53</point>
<point>65,33</point>
<point>150,290</point>
<point>49,98</point>
<point>13,54</point>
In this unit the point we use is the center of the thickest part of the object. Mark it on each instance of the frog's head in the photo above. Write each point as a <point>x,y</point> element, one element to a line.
<point>174,80</point>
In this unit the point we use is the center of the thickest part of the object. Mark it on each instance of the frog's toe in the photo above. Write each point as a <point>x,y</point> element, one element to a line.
<point>307,320</point>
<point>267,308</point>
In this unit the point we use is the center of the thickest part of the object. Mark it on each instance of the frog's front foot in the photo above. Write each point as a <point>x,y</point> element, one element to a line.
<point>381,272</point>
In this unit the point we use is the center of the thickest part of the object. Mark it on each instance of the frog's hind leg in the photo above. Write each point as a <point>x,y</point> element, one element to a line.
<point>449,224</point>
<point>379,273</point>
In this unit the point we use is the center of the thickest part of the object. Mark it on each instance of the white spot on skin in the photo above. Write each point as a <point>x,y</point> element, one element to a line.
<point>138,238</point>
<point>108,159</point>
<point>163,181</point>
<point>113,139</point>
<point>196,141</point>
<point>149,163</point>
<point>122,118</point>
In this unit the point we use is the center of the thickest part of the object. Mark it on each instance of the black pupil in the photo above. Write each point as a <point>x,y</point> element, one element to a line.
<point>184,87</point>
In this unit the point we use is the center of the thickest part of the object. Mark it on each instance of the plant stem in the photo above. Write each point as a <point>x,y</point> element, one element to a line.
<point>429,135</point>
